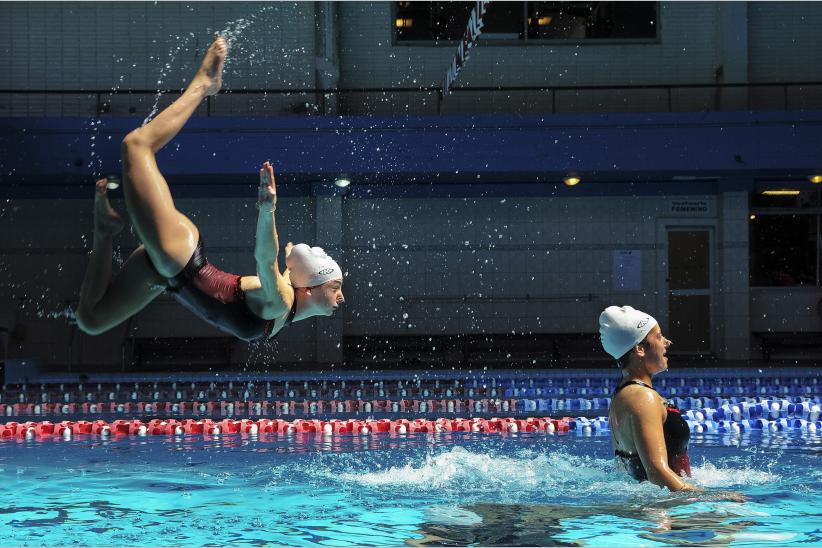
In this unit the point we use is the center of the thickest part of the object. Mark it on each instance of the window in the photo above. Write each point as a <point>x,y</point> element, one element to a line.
<point>574,21</point>
<point>785,239</point>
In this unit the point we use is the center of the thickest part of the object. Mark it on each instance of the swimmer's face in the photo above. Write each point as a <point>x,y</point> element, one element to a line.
<point>656,351</point>
<point>330,296</point>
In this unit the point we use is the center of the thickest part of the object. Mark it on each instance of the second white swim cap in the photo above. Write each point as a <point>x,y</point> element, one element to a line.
<point>623,327</point>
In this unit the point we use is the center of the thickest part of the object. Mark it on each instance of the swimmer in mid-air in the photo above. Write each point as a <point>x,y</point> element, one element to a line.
<point>171,256</point>
<point>649,435</point>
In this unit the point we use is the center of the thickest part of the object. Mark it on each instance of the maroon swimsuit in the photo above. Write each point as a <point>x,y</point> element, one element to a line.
<point>677,433</point>
<point>216,297</point>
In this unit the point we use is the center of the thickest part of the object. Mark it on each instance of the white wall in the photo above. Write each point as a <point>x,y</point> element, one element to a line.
<point>685,53</point>
<point>43,255</point>
<point>526,265</point>
<point>784,41</point>
<point>133,45</point>
<point>555,251</point>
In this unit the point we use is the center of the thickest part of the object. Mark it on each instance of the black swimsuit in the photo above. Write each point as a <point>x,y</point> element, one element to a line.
<point>677,433</point>
<point>216,297</point>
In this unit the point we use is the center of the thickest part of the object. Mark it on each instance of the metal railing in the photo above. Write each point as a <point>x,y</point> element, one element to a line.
<point>426,100</point>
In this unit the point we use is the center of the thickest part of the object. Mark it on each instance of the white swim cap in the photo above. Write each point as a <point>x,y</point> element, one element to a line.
<point>311,266</point>
<point>623,327</point>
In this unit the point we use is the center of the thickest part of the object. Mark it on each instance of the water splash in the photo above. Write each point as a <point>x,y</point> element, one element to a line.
<point>155,107</point>
<point>66,313</point>
<point>233,32</point>
<point>709,475</point>
<point>556,472</point>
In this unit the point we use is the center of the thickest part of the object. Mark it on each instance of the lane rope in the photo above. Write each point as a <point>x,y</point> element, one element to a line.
<point>355,390</point>
<point>44,430</point>
<point>208,427</point>
<point>719,408</point>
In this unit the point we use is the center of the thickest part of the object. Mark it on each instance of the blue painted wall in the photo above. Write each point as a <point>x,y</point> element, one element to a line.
<point>417,156</point>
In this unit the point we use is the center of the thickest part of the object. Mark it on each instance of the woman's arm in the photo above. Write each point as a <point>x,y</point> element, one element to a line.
<point>647,418</point>
<point>279,293</point>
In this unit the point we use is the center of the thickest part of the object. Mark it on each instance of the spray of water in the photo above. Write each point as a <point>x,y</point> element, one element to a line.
<point>233,32</point>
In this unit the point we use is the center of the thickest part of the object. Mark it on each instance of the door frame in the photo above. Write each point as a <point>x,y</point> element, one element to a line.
<point>664,225</point>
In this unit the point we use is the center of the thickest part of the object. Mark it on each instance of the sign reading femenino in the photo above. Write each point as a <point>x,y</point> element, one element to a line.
<point>472,32</point>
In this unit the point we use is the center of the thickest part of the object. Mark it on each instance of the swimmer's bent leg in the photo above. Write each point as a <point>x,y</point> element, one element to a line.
<point>105,304</point>
<point>169,236</point>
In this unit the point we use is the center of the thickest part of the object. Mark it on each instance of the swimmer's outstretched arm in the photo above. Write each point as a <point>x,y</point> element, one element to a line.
<point>279,293</point>
<point>106,302</point>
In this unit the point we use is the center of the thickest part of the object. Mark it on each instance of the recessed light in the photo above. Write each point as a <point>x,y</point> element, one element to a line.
<point>781,192</point>
<point>571,180</point>
<point>815,179</point>
<point>753,216</point>
<point>342,182</point>
<point>113,182</point>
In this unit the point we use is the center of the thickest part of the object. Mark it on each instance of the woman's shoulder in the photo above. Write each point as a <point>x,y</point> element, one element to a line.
<point>638,398</point>
<point>262,304</point>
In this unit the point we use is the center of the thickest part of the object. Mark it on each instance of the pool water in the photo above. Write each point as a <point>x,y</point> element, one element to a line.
<point>420,489</point>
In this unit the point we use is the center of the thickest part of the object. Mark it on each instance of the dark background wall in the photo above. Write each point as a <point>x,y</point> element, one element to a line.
<point>457,226</point>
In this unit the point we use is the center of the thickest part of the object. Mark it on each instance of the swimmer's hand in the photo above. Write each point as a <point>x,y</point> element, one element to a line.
<point>268,189</point>
<point>706,495</point>
<point>288,247</point>
<point>689,488</point>
<point>731,496</point>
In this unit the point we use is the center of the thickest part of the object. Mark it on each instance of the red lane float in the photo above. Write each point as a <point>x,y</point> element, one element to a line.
<point>206,427</point>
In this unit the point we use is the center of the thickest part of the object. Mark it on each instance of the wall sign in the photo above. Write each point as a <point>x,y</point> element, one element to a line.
<point>690,208</point>
<point>627,270</point>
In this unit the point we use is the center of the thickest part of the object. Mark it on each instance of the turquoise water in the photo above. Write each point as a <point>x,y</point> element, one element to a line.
<point>416,489</point>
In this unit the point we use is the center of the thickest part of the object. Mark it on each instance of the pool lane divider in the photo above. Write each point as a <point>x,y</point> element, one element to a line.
<point>768,407</point>
<point>44,430</point>
<point>540,389</point>
<point>173,427</point>
<point>306,406</point>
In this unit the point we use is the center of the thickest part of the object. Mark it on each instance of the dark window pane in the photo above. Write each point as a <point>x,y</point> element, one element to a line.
<point>558,20</point>
<point>544,20</point>
<point>689,255</point>
<point>783,250</point>
<point>591,20</point>
<point>431,20</point>
<point>504,20</point>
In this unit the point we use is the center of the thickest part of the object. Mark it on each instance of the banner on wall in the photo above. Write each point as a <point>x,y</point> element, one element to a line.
<point>627,270</point>
<point>467,43</point>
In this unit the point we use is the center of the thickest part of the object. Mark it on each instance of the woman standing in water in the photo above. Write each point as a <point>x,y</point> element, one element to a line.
<point>171,257</point>
<point>649,435</point>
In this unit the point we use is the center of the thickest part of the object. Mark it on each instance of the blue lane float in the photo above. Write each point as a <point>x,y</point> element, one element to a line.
<point>692,391</point>
<point>587,426</point>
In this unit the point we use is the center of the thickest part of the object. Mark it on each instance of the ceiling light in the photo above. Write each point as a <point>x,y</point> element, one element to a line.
<point>781,192</point>
<point>342,182</point>
<point>815,179</point>
<point>753,216</point>
<point>113,182</point>
<point>571,180</point>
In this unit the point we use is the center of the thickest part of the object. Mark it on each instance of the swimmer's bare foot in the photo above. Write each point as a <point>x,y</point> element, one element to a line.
<point>210,75</point>
<point>106,220</point>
